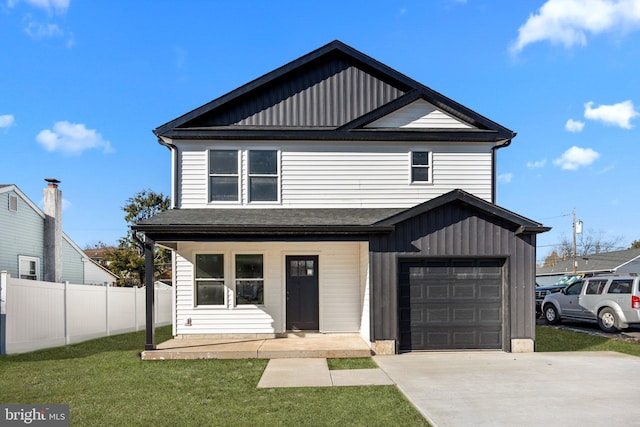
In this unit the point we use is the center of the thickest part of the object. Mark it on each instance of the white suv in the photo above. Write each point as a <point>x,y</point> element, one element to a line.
<point>612,301</point>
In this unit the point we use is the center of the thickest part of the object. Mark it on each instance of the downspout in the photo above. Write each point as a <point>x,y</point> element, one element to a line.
<point>494,167</point>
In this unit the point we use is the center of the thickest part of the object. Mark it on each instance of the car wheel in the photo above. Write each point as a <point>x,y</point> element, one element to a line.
<point>551,314</point>
<point>607,320</point>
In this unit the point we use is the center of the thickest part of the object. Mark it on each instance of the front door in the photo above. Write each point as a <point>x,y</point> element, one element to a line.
<point>302,293</point>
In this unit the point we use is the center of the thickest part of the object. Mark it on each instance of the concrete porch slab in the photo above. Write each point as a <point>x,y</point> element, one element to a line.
<point>293,346</point>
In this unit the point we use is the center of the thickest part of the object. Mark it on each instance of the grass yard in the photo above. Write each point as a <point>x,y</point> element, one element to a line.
<point>553,339</point>
<point>105,384</point>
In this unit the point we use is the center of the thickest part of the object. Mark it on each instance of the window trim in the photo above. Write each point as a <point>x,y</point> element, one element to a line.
<point>237,175</point>
<point>429,167</point>
<point>28,258</point>
<point>277,175</point>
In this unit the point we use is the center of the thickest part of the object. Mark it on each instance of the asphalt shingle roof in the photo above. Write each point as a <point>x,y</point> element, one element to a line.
<point>606,261</point>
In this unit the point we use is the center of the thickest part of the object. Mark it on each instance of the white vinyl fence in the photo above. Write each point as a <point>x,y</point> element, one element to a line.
<point>37,315</point>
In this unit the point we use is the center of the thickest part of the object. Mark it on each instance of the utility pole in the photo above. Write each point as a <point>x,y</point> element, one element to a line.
<point>577,229</point>
<point>575,261</point>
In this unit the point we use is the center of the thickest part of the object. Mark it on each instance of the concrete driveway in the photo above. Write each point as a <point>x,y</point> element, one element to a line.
<point>519,389</point>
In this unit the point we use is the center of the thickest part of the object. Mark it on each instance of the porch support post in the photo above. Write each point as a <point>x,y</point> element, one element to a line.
<point>150,294</point>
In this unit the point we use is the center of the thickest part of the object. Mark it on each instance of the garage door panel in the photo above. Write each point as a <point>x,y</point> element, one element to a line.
<point>451,305</point>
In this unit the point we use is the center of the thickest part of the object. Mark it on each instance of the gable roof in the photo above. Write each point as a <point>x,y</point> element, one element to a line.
<point>189,224</point>
<point>524,225</point>
<point>333,92</point>
<point>601,262</point>
<point>14,188</point>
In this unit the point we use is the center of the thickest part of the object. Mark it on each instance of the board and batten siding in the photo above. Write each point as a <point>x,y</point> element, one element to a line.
<point>347,176</point>
<point>455,231</point>
<point>341,298</point>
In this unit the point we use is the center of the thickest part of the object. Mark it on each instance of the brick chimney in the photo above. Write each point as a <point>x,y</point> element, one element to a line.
<point>52,231</point>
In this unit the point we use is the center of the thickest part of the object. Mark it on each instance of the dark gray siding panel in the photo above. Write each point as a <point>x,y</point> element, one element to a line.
<point>454,230</point>
<point>330,94</point>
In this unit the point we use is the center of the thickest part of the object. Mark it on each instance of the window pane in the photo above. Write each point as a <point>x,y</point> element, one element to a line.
<point>420,174</point>
<point>249,292</point>
<point>263,189</point>
<point>249,267</point>
<point>223,188</point>
<point>263,162</point>
<point>620,287</point>
<point>420,158</point>
<point>223,162</point>
<point>209,292</point>
<point>209,266</point>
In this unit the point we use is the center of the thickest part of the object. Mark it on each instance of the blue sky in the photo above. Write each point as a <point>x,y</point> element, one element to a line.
<point>83,83</point>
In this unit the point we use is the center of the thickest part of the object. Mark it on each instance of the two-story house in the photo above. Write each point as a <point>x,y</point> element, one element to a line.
<point>335,194</point>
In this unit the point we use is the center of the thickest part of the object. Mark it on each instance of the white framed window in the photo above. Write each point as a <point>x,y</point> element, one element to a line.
<point>224,176</point>
<point>421,167</point>
<point>209,278</point>
<point>29,267</point>
<point>263,176</point>
<point>249,279</point>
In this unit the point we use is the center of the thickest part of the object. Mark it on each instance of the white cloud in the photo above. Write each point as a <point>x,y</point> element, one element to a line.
<point>575,157</point>
<point>505,177</point>
<point>619,114</point>
<point>7,120</point>
<point>568,22</point>
<point>60,6</point>
<point>72,138</point>
<point>574,125</point>
<point>537,164</point>
<point>38,31</point>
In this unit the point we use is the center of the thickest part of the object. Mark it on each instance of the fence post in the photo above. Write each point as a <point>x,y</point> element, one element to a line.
<point>4,279</point>
<point>65,312</point>
<point>106,310</point>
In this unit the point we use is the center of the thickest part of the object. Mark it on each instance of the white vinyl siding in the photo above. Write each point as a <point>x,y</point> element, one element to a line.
<point>340,288</point>
<point>343,175</point>
<point>419,114</point>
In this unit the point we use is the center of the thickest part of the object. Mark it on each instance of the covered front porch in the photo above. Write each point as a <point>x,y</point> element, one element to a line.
<point>291,345</point>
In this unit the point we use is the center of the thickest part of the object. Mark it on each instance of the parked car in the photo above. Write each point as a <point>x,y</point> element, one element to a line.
<point>543,291</point>
<point>611,301</point>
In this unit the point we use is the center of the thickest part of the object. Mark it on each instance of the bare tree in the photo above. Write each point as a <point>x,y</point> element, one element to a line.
<point>588,243</point>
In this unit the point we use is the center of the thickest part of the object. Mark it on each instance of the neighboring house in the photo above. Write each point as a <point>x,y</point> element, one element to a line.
<point>617,262</point>
<point>33,246</point>
<point>335,194</point>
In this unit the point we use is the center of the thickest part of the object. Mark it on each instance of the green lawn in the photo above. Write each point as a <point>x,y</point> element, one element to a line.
<point>105,384</point>
<point>553,339</point>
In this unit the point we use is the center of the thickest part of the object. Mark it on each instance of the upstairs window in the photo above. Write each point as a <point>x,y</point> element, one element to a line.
<point>263,176</point>
<point>421,166</point>
<point>224,180</point>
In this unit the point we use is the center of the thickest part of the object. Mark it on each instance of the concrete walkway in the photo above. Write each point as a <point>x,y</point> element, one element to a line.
<point>314,372</point>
